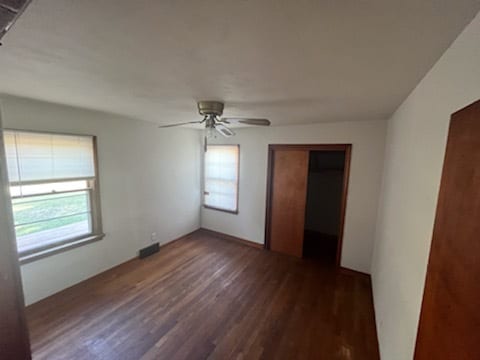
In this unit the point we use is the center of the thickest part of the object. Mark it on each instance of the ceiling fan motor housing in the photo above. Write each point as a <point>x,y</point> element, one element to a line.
<point>210,108</point>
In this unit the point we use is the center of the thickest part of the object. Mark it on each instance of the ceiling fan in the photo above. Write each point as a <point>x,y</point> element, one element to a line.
<point>212,112</point>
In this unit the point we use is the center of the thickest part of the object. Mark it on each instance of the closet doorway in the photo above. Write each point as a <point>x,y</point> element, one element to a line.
<point>306,200</point>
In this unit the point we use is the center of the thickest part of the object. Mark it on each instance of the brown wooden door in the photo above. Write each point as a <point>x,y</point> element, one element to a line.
<point>288,200</point>
<point>450,319</point>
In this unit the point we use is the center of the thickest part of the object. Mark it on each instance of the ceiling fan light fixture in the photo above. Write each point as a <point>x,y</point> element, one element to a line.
<point>210,133</point>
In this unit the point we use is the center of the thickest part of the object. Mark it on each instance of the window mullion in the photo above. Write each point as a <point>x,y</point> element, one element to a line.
<point>49,193</point>
<point>48,181</point>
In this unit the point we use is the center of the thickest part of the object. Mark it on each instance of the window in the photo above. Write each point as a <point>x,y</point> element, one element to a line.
<point>221,177</point>
<point>54,191</point>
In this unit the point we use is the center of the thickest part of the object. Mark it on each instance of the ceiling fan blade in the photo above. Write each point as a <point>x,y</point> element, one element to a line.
<point>222,129</point>
<point>180,124</point>
<point>258,122</point>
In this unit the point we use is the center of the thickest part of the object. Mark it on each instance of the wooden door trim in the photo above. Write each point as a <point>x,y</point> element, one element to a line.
<point>343,205</point>
<point>310,147</point>
<point>347,148</point>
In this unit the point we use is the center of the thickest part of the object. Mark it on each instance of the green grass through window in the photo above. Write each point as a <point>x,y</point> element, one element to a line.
<point>49,211</point>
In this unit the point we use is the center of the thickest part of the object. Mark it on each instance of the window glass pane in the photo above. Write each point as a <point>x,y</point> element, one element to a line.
<point>221,201</point>
<point>44,207</point>
<point>227,188</point>
<point>45,219</point>
<point>221,176</point>
<point>50,232</point>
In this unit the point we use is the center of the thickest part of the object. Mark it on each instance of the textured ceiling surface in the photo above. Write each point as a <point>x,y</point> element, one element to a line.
<point>293,62</point>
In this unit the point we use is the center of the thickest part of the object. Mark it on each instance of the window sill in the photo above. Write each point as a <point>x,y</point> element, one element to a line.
<point>235,212</point>
<point>56,249</point>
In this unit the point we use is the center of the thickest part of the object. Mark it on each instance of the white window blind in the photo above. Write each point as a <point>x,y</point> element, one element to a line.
<point>221,177</point>
<point>53,189</point>
<point>41,156</point>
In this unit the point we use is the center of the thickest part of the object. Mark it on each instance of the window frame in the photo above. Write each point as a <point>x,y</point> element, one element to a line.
<point>234,212</point>
<point>93,189</point>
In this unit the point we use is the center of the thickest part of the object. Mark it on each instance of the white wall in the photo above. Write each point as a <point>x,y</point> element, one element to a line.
<point>415,149</point>
<point>149,182</point>
<point>367,138</point>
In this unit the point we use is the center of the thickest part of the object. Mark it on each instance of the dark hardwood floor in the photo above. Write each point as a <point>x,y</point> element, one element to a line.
<point>203,297</point>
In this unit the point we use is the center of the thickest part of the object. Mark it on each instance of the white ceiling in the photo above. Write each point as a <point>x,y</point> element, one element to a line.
<point>296,61</point>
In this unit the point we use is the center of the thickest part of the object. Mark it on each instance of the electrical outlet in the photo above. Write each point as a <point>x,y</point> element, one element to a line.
<point>153,237</point>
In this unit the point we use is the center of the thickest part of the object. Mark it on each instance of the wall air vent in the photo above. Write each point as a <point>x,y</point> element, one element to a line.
<point>10,10</point>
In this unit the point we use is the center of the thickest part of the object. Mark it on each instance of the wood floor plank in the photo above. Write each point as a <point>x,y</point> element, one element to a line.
<point>204,297</point>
